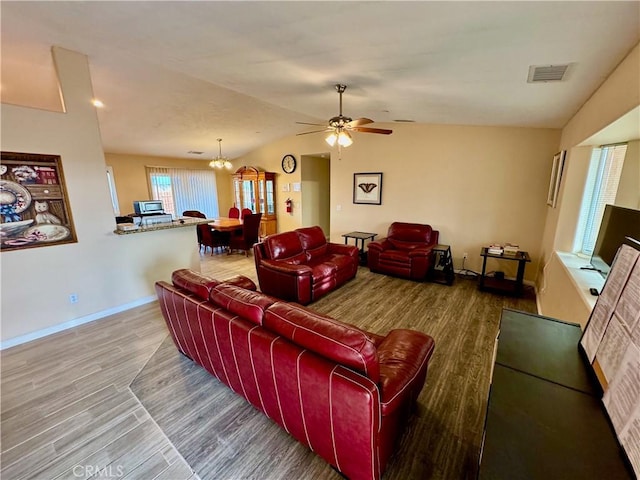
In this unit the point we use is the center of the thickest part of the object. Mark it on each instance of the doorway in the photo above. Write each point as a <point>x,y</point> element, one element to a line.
<point>315,175</point>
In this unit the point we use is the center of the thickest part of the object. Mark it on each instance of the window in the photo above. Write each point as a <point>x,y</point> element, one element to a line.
<point>600,189</point>
<point>181,189</point>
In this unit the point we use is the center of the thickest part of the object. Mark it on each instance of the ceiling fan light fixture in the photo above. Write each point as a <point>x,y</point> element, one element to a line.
<point>220,161</point>
<point>344,139</point>
<point>331,139</point>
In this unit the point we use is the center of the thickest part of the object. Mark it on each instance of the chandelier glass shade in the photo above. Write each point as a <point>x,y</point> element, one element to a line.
<point>220,161</point>
<point>341,136</point>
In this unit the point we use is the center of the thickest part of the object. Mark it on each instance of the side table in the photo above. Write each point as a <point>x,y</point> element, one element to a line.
<point>502,285</point>
<point>442,266</point>
<point>361,237</point>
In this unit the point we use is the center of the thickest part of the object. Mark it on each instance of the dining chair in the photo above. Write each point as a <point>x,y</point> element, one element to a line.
<point>245,212</point>
<point>249,235</point>
<point>205,237</point>
<point>234,212</point>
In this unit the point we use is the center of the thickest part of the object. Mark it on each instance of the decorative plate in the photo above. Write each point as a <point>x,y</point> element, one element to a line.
<point>13,229</point>
<point>12,193</point>
<point>47,232</point>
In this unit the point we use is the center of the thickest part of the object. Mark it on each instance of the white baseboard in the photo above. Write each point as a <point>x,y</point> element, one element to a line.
<point>12,342</point>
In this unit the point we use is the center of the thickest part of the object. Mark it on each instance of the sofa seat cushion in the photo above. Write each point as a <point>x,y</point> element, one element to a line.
<point>340,342</point>
<point>395,257</point>
<point>341,262</point>
<point>406,246</point>
<point>321,270</point>
<point>247,304</point>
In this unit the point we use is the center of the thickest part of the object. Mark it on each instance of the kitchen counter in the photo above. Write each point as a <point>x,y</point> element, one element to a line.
<point>180,223</point>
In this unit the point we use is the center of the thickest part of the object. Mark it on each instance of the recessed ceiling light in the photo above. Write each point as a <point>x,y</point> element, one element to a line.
<point>97,103</point>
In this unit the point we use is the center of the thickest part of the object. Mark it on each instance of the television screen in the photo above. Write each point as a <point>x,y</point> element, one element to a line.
<point>619,225</point>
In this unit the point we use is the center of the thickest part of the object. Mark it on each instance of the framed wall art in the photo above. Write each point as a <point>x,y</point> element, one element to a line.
<point>367,188</point>
<point>34,206</point>
<point>556,178</point>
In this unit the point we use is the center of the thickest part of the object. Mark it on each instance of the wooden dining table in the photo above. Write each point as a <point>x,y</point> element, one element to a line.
<point>226,224</point>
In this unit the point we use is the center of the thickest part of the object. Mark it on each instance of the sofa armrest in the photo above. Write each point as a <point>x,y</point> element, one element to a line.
<point>286,268</point>
<point>403,356</point>
<point>341,249</point>
<point>380,245</point>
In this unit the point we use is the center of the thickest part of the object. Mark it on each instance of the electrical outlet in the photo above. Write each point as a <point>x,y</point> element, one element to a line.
<point>465,255</point>
<point>73,298</point>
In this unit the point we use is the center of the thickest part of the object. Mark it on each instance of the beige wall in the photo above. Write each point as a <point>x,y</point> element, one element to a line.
<point>629,188</point>
<point>474,184</point>
<point>107,271</point>
<point>617,96</point>
<point>316,183</point>
<point>131,178</point>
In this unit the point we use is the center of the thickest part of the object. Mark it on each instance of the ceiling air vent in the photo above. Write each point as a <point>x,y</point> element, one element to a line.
<point>547,73</point>
<point>195,152</point>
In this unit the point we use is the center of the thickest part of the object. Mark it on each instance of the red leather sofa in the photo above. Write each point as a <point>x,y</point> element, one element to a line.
<point>301,266</point>
<point>405,252</point>
<point>341,391</point>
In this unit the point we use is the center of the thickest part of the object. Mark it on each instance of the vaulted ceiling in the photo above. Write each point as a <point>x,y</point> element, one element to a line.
<point>174,76</point>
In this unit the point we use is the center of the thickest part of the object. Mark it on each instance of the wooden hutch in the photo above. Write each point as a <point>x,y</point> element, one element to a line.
<point>256,190</point>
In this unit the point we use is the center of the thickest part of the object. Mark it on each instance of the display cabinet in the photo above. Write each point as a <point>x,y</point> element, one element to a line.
<point>256,190</point>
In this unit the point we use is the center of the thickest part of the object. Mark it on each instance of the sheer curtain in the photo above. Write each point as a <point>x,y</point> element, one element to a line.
<point>181,189</point>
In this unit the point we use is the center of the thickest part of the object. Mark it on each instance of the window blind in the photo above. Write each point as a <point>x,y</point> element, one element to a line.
<point>182,189</point>
<point>600,189</point>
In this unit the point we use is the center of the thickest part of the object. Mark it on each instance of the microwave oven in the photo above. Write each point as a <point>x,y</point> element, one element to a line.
<point>146,207</point>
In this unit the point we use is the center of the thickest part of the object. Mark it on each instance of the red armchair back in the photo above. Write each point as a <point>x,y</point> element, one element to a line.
<point>405,252</point>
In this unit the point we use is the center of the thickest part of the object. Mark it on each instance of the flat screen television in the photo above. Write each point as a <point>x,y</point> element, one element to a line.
<point>619,225</point>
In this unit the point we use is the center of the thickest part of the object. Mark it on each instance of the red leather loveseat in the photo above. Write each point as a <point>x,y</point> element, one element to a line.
<point>343,392</point>
<point>405,252</point>
<point>301,266</point>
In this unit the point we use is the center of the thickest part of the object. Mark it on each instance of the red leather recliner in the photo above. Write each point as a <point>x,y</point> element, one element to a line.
<point>301,266</point>
<point>405,252</point>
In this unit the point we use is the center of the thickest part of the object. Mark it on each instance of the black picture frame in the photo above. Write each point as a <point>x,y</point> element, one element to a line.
<point>367,188</point>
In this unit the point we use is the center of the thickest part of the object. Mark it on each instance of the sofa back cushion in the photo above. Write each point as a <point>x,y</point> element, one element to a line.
<point>313,242</point>
<point>337,341</point>
<point>247,304</point>
<point>194,282</point>
<point>405,236</point>
<point>286,247</point>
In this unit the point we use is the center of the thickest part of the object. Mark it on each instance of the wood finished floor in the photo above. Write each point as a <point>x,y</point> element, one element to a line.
<point>68,400</point>
<point>67,410</point>
<point>223,437</point>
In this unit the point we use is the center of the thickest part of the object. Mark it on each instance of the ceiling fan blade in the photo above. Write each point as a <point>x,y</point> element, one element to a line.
<point>372,130</point>
<point>316,124</point>
<point>315,131</point>
<point>359,121</point>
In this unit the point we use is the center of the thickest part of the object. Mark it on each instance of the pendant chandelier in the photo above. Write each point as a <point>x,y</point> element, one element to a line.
<point>220,161</point>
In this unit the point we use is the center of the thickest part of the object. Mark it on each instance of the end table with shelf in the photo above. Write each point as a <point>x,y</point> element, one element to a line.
<point>442,267</point>
<point>502,285</point>
<point>360,237</point>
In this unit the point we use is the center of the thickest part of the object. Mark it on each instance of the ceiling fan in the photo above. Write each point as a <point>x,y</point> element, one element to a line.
<point>341,125</point>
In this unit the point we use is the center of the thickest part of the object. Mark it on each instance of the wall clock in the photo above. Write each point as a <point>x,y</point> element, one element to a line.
<point>289,164</point>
